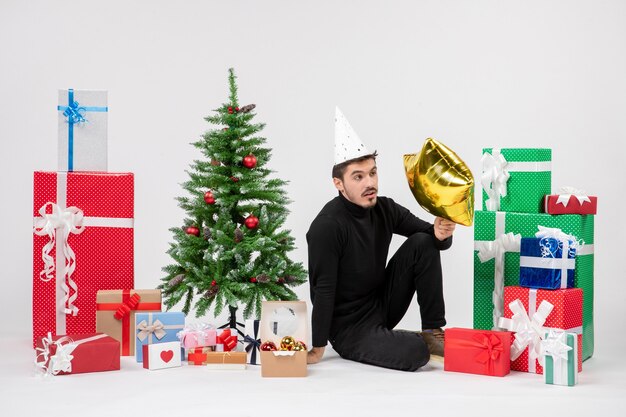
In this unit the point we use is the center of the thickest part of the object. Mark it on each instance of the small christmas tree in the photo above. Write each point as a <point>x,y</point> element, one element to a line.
<point>231,250</point>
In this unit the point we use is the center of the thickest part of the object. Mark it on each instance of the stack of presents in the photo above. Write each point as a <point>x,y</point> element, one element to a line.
<point>533,274</point>
<point>86,312</point>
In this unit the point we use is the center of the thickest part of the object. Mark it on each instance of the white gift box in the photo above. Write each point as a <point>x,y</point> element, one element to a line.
<point>82,137</point>
<point>161,355</point>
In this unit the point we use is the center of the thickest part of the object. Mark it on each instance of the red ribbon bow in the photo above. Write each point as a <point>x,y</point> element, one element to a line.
<point>229,341</point>
<point>197,356</point>
<point>128,305</point>
<point>490,349</point>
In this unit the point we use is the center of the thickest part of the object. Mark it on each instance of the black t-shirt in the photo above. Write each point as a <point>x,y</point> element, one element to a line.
<point>348,247</point>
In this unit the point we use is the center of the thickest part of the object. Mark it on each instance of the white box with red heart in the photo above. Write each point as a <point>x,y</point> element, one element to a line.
<point>161,355</point>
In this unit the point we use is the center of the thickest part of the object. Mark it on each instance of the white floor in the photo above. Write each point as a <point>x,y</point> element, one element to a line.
<point>334,387</point>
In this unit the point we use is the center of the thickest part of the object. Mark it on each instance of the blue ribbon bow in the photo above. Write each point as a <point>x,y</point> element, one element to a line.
<point>252,343</point>
<point>75,114</point>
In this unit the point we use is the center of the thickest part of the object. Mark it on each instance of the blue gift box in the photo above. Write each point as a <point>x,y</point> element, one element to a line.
<point>547,263</point>
<point>153,328</point>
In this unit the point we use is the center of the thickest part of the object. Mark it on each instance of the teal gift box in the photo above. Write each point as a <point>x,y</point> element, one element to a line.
<point>516,179</point>
<point>153,328</point>
<point>497,262</point>
<point>560,350</point>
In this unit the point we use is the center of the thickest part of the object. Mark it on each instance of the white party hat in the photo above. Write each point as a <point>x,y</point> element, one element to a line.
<point>347,143</point>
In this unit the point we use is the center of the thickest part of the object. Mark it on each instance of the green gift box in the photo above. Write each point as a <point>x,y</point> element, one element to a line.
<point>494,236</point>
<point>516,179</point>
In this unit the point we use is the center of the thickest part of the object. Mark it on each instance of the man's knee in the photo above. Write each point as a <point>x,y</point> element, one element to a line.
<point>422,242</point>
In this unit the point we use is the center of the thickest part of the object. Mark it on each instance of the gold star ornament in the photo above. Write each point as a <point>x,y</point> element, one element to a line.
<point>441,182</point>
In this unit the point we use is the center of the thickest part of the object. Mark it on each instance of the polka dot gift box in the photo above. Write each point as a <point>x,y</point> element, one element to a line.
<point>82,243</point>
<point>516,179</point>
<point>497,262</point>
<point>530,313</point>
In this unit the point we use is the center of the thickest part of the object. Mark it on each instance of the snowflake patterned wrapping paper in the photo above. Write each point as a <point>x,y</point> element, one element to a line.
<point>515,179</point>
<point>566,315</point>
<point>490,225</point>
<point>82,243</point>
<point>82,138</point>
<point>546,263</point>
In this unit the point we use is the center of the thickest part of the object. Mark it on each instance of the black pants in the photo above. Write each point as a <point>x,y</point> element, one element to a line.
<point>415,268</point>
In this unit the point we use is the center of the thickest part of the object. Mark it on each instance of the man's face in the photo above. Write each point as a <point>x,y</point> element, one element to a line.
<point>360,183</point>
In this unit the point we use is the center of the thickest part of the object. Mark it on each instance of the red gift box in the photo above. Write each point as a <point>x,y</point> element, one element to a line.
<point>566,314</point>
<point>473,351</point>
<point>570,202</point>
<point>77,354</point>
<point>82,243</point>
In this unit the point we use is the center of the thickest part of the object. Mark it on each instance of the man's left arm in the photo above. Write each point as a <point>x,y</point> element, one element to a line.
<point>406,224</point>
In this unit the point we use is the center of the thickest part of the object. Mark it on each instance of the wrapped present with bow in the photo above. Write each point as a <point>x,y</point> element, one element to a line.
<point>226,340</point>
<point>198,355</point>
<point>530,313</point>
<point>161,355</point>
<point>252,341</point>
<point>515,179</point>
<point>82,242</point>
<point>226,360</point>
<point>570,200</point>
<point>560,352</point>
<point>482,352</point>
<point>156,328</point>
<point>82,121</point>
<point>197,335</point>
<point>497,262</point>
<point>77,354</point>
<point>548,260</point>
<point>116,311</point>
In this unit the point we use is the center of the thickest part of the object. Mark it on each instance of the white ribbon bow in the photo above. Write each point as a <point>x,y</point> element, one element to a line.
<point>61,361</point>
<point>529,330</point>
<point>555,345</point>
<point>565,193</point>
<point>155,328</point>
<point>199,331</point>
<point>496,249</point>
<point>567,242</point>
<point>494,178</point>
<point>69,220</point>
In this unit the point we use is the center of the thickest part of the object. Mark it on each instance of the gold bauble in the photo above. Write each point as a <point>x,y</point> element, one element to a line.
<point>441,182</point>
<point>287,343</point>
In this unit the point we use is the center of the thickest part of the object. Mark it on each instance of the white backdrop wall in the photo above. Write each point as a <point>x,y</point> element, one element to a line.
<point>471,74</point>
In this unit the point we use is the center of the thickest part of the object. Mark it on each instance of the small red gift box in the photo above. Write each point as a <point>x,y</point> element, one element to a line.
<point>77,354</point>
<point>530,312</point>
<point>570,201</point>
<point>473,351</point>
<point>82,243</point>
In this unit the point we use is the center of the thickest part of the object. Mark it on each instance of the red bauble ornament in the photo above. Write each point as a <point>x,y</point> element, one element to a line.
<point>268,346</point>
<point>208,198</point>
<point>252,221</point>
<point>192,230</point>
<point>249,161</point>
<point>253,280</point>
<point>230,110</point>
<point>213,283</point>
<point>281,280</point>
<point>237,109</point>
<point>234,179</point>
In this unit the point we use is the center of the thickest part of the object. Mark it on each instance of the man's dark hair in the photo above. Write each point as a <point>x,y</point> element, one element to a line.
<point>340,169</point>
